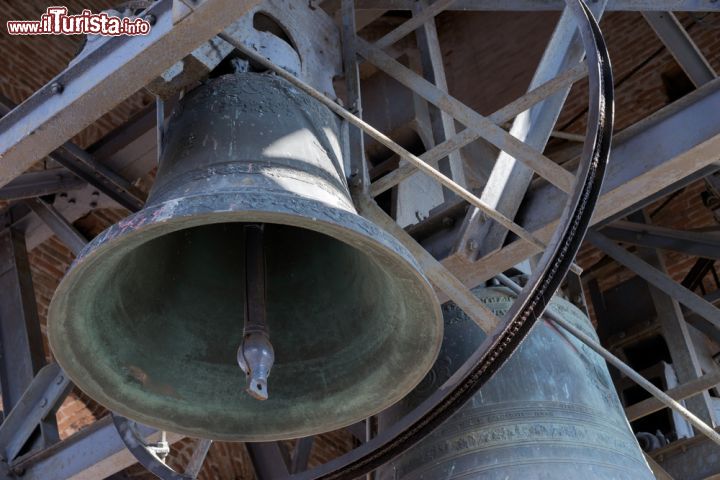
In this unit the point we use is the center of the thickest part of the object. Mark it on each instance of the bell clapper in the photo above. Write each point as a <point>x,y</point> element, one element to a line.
<point>255,354</point>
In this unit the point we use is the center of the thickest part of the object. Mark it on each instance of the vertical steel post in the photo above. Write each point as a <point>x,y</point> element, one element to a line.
<point>356,146</point>
<point>21,346</point>
<point>675,330</point>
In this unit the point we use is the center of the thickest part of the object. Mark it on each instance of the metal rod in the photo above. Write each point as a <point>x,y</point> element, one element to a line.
<point>503,115</point>
<point>388,142</point>
<point>662,397</point>
<point>681,392</point>
<point>159,124</point>
<point>255,354</point>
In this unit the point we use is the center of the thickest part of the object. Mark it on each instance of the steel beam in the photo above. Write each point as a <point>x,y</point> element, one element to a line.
<point>20,337</point>
<point>675,330</point>
<point>658,471</point>
<point>202,446</point>
<point>656,153</point>
<point>681,46</point>
<point>99,80</point>
<point>691,243</point>
<point>549,5</point>
<point>504,114</point>
<point>469,117</point>
<point>40,400</point>
<point>656,278</point>
<point>355,141</point>
<point>64,230</point>
<point>40,183</point>
<point>441,123</point>
<point>301,455</point>
<point>129,150</point>
<point>94,452</point>
<point>690,459</point>
<point>437,274</point>
<point>681,392</point>
<point>87,168</point>
<point>21,346</point>
<point>268,460</point>
<point>510,178</point>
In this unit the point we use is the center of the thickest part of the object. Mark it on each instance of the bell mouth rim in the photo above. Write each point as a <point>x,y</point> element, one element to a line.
<point>179,214</point>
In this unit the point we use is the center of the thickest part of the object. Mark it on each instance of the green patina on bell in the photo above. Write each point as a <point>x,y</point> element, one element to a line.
<point>149,318</point>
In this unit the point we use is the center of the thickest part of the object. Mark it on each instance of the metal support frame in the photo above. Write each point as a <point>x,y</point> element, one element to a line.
<point>442,124</point>
<point>121,65</point>
<point>510,178</point>
<point>680,45</point>
<point>356,145</point>
<point>95,452</point>
<point>677,336</point>
<point>681,392</point>
<point>647,158</point>
<point>691,243</point>
<point>38,184</point>
<point>656,278</point>
<point>499,117</point>
<point>64,230</point>
<point>491,132</point>
<point>39,402</point>
<point>21,345</point>
<point>268,460</point>
<point>87,168</point>
<point>301,454</point>
<point>63,459</point>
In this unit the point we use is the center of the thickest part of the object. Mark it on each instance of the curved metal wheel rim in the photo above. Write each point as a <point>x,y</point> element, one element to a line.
<point>139,449</point>
<point>531,302</point>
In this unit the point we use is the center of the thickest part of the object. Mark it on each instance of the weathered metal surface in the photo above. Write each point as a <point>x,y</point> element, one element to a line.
<point>648,157</point>
<point>21,348</point>
<point>40,400</point>
<point>36,184</point>
<point>671,32</point>
<point>696,458</point>
<point>532,299</point>
<point>658,279</point>
<point>149,318</point>
<point>21,344</point>
<point>64,230</point>
<point>97,82</point>
<point>698,244</point>
<point>550,413</point>
<point>510,178</point>
<point>310,49</point>
<point>92,453</point>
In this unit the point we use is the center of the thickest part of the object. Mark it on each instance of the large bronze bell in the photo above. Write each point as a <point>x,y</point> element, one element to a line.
<point>550,413</point>
<point>149,318</point>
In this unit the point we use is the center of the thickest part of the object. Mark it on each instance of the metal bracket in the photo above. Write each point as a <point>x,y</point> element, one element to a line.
<point>151,456</point>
